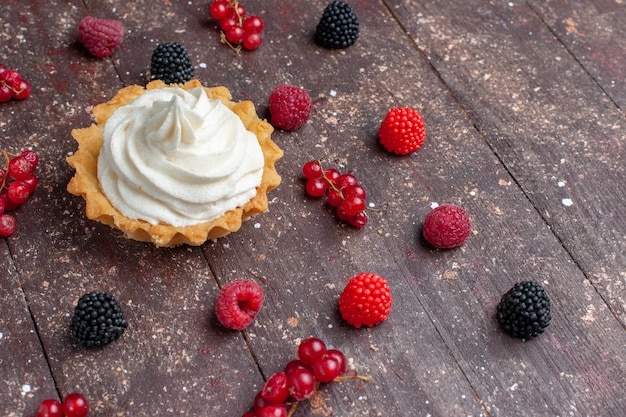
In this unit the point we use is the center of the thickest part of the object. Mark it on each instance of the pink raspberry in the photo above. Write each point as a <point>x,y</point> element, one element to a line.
<point>290,107</point>
<point>238,303</point>
<point>100,36</point>
<point>447,226</point>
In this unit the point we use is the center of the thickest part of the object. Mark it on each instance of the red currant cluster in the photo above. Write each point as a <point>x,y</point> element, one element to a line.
<point>342,191</point>
<point>17,183</point>
<point>12,85</point>
<point>74,405</point>
<point>238,28</point>
<point>300,379</point>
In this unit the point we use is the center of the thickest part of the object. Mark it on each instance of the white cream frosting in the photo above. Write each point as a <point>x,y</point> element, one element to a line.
<point>177,157</point>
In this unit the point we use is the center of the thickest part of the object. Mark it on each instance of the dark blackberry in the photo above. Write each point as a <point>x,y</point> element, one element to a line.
<point>524,311</point>
<point>171,64</point>
<point>339,27</point>
<point>98,320</point>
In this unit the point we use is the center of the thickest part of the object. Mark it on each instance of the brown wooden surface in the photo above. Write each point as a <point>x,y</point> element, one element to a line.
<point>523,103</point>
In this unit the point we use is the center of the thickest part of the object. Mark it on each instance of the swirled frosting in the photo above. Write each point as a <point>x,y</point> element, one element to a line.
<point>177,157</point>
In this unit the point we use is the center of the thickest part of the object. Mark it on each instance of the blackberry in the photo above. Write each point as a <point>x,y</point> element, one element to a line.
<point>171,64</point>
<point>339,27</point>
<point>524,311</point>
<point>98,320</point>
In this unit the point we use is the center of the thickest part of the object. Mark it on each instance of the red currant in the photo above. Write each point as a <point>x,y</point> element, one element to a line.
<point>316,187</point>
<point>249,414</point>
<point>18,192</point>
<point>236,11</point>
<point>352,204</point>
<point>259,401</point>
<point>227,23</point>
<point>3,68</point>
<point>8,204</point>
<point>310,349</point>
<point>340,358</point>
<point>326,368</point>
<point>22,91</point>
<point>19,167</point>
<point>359,220</point>
<point>274,410</point>
<point>334,197</point>
<point>75,405</point>
<point>295,364</point>
<point>332,175</point>
<point>49,408</point>
<point>235,34</point>
<point>346,180</point>
<point>5,93</point>
<point>312,169</point>
<point>2,200</point>
<point>31,182</point>
<point>32,157</point>
<point>218,9</point>
<point>253,24</point>
<point>11,78</point>
<point>355,190</point>
<point>275,389</point>
<point>251,41</point>
<point>341,213</point>
<point>8,225</point>
<point>301,383</point>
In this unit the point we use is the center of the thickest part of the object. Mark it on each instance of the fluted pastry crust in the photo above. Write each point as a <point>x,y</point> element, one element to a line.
<point>85,181</point>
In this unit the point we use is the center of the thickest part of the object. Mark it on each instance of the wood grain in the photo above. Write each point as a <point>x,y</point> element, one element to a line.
<point>518,119</point>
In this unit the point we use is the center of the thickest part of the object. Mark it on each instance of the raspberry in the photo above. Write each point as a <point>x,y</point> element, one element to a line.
<point>339,27</point>
<point>238,303</point>
<point>100,36</point>
<point>447,226</point>
<point>402,132</point>
<point>524,311</point>
<point>290,107</point>
<point>171,64</point>
<point>366,300</point>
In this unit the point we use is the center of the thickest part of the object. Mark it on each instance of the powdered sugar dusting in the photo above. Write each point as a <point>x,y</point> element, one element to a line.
<point>567,202</point>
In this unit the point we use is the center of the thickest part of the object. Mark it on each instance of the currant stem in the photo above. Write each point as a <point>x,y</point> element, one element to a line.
<point>292,409</point>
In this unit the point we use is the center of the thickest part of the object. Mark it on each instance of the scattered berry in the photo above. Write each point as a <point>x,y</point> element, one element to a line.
<point>12,85</point>
<point>17,183</point>
<point>171,64</point>
<point>402,131</point>
<point>290,107</point>
<point>275,389</point>
<point>238,303</point>
<point>98,320</point>
<point>343,192</point>
<point>339,27</point>
<point>75,405</point>
<point>238,28</point>
<point>366,300</point>
<point>300,379</point>
<point>524,311</point>
<point>447,226</point>
<point>49,408</point>
<point>310,350</point>
<point>100,36</point>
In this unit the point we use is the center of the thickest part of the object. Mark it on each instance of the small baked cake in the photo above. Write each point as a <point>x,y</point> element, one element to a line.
<point>174,164</point>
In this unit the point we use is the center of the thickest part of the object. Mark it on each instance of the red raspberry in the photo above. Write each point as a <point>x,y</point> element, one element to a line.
<point>366,300</point>
<point>238,303</point>
<point>402,132</point>
<point>447,226</point>
<point>290,107</point>
<point>100,36</point>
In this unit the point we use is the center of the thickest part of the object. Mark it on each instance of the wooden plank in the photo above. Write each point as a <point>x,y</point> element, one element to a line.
<point>174,359</point>
<point>553,127</point>
<point>440,352</point>
<point>594,32</point>
<point>26,378</point>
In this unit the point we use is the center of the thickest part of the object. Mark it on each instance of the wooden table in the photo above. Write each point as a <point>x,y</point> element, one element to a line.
<point>524,105</point>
